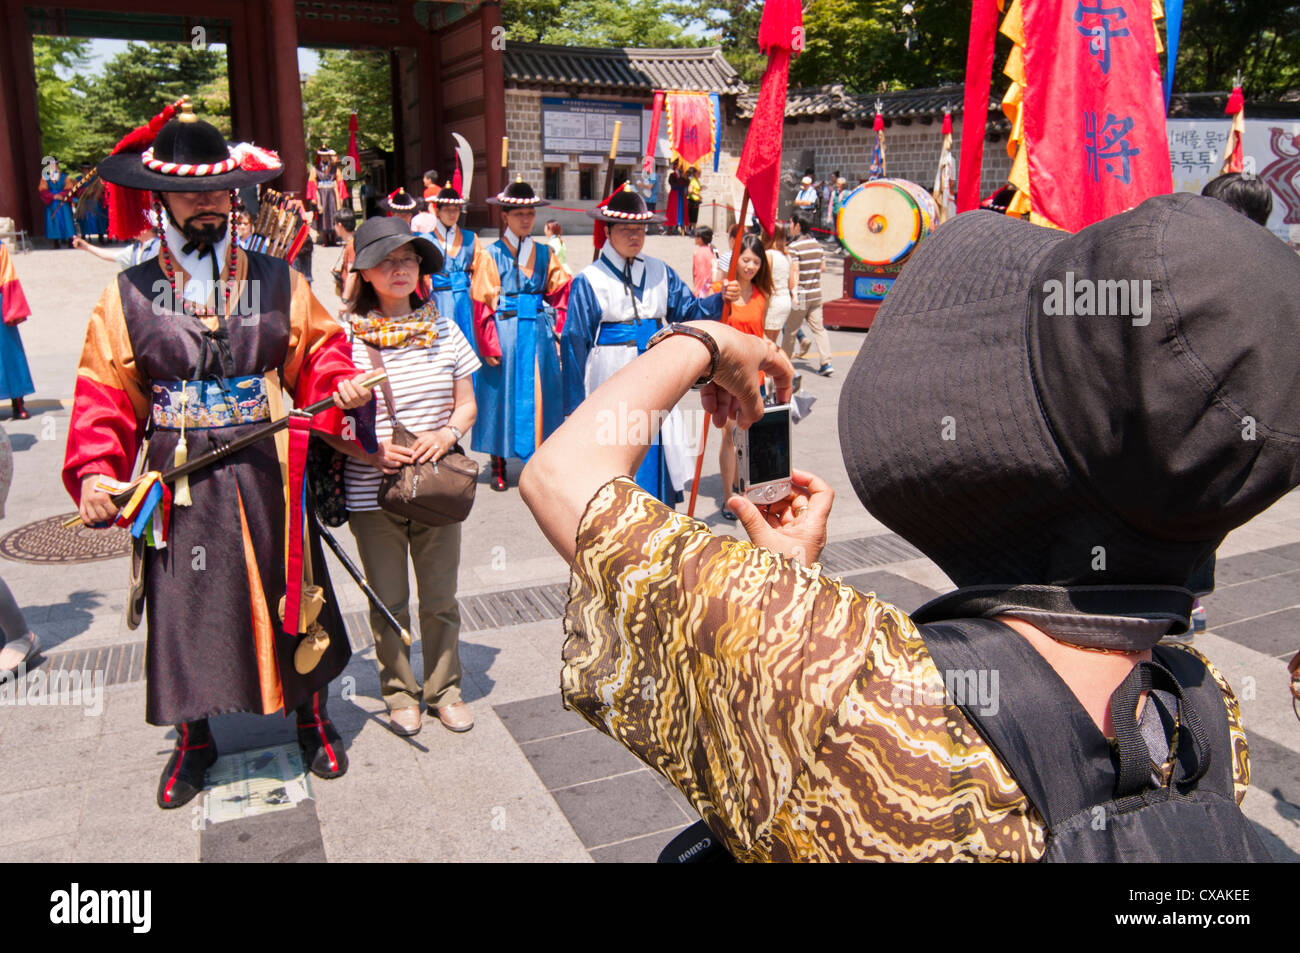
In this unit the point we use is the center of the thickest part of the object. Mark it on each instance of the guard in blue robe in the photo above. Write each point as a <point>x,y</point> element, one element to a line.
<point>58,213</point>
<point>615,307</point>
<point>518,389</point>
<point>462,256</point>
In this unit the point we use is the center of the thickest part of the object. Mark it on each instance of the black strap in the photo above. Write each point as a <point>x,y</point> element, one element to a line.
<point>1152,611</point>
<point>377,363</point>
<point>631,291</point>
<point>1064,764</point>
<point>1135,763</point>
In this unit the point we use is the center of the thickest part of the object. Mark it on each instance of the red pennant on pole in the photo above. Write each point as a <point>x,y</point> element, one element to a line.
<point>353,153</point>
<point>779,34</point>
<point>975,106</point>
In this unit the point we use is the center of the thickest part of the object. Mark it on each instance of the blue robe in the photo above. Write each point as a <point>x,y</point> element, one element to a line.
<point>619,331</point>
<point>526,330</point>
<point>451,285</point>
<point>58,215</point>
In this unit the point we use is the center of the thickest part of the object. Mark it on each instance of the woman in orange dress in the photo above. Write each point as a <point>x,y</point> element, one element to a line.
<point>745,314</point>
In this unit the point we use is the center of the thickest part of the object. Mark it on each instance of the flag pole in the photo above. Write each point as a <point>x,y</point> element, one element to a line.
<point>726,313</point>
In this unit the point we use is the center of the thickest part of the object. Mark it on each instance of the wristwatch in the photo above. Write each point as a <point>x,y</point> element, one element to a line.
<point>706,339</point>
<point>455,432</point>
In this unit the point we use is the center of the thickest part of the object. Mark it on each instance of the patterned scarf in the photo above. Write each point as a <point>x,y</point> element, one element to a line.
<point>417,329</point>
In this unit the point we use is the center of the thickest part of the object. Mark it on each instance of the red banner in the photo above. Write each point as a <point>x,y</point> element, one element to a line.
<point>652,143</point>
<point>974,116</point>
<point>690,126</point>
<point>1094,109</point>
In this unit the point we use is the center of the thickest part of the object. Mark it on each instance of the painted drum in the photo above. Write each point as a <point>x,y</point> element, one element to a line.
<point>881,222</point>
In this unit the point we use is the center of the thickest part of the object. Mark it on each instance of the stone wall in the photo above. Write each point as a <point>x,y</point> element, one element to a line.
<point>912,152</point>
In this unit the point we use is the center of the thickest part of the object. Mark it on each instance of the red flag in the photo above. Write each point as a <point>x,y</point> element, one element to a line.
<point>975,108</point>
<point>652,143</point>
<point>1233,160</point>
<point>1094,112</point>
<point>353,154</point>
<point>779,33</point>
<point>690,126</point>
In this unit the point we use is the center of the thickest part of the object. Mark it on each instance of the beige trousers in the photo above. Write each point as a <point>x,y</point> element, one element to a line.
<point>820,339</point>
<point>383,541</point>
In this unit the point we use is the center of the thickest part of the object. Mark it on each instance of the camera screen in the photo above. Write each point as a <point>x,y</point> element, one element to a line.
<point>769,447</point>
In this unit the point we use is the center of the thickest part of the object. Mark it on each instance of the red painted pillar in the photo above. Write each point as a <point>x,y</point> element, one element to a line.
<point>430,92</point>
<point>288,97</point>
<point>239,80</point>
<point>20,118</point>
<point>494,93</point>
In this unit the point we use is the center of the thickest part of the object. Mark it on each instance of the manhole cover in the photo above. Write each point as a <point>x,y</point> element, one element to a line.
<point>47,541</point>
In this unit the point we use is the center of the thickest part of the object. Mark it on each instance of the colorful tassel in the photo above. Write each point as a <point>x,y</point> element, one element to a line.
<point>182,454</point>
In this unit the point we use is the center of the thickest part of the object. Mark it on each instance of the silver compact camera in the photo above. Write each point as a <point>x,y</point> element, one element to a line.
<point>763,457</point>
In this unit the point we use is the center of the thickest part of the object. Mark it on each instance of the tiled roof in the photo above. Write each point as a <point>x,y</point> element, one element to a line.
<point>832,102</point>
<point>695,70</point>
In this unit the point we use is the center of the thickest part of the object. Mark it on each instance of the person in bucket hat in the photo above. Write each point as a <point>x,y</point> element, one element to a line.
<point>168,376</point>
<point>520,292</point>
<point>1067,425</point>
<point>616,304</point>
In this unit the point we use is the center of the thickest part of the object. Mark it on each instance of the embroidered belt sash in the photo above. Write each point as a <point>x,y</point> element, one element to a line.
<point>210,403</point>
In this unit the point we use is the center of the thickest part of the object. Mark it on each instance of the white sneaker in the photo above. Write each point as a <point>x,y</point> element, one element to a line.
<point>18,651</point>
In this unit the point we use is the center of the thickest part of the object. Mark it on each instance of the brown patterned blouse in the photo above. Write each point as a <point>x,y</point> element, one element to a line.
<point>803,719</point>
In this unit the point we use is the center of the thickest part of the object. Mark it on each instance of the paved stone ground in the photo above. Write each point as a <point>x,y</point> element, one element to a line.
<point>531,781</point>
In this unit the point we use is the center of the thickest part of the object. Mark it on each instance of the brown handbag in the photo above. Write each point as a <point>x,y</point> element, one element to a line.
<point>436,492</point>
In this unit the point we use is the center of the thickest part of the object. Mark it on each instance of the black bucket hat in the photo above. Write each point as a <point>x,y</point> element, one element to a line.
<point>1027,421</point>
<point>517,195</point>
<point>190,155</point>
<point>377,238</point>
<point>625,207</point>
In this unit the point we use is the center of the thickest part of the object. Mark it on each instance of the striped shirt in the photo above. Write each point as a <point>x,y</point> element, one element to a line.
<point>809,254</point>
<point>421,379</point>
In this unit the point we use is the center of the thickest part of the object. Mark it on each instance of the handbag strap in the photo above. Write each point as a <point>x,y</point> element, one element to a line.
<point>377,363</point>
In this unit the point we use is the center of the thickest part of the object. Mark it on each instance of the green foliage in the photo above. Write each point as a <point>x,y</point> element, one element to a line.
<point>734,24</point>
<point>349,80</point>
<point>138,82</point>
<point>623,23</point>
<point>60,100</point>
<point>870,45</point>
<point>1261,38</point>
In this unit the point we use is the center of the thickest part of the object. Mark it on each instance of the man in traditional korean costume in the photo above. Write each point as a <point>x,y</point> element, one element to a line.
<point>616,304</point>
<point>186,352</point>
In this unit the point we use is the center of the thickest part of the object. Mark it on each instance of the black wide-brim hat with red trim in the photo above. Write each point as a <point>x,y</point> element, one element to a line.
<point>1036,408</point>
<point>625,207</point>
<point>517,195</point>
<point>190,155</point>
<point>399,200</point>
<point>446,196</point>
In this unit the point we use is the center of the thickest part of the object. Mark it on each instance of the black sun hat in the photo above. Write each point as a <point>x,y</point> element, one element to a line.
<point>190,155</point>
<point>1077,421</point>
<point>517,195</point>
<point>377,238</point>
<point>625,207</point>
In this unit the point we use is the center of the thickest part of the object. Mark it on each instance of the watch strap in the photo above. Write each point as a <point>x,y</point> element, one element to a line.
<point>702,336</point>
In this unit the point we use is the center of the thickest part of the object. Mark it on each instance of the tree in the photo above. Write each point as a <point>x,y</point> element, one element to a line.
<point>734,24</point>
<point>138,82</point>
<point>619,23</point>
<point>1261,38</point>
<point>60,101</point>
<point>871,45</point>
<point>348,80</point>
